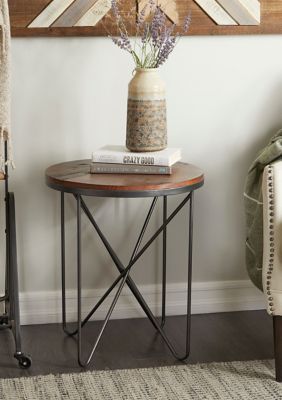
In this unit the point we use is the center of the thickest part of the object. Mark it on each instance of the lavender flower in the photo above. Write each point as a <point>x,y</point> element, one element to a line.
<point>152,4</point>
<point>141,17</point>
<point>158,22</point>
<point>187,23</point>
<point>166,50</point>
<point>123,42</point>
<point>115,9</point>
<point>155,38</point>
<point>164,35</point>
<point>126,42</point>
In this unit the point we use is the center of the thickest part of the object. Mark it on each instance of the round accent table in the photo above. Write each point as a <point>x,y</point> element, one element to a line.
<point>74,177</point>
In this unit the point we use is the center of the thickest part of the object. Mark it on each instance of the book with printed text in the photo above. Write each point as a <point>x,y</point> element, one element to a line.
<point>107,168</point>
<point>115,154</point>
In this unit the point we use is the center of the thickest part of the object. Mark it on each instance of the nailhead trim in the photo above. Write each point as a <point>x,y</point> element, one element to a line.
<point>271,210</point>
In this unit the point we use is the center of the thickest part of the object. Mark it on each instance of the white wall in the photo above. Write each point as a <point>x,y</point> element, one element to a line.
<point>224,99</point>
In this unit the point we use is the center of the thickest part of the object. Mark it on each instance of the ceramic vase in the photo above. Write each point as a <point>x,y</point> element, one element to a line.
<point>146,112</point>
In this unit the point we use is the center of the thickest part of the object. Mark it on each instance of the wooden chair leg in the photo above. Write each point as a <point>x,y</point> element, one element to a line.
<point>277,333</point>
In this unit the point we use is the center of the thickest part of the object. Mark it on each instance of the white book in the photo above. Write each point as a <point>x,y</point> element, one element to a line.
<point>114,154</point>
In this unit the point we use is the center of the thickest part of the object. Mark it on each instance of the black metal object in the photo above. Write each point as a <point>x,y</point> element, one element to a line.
<point>124,271</point>
<point>277,335</point>
<point>11,317</point>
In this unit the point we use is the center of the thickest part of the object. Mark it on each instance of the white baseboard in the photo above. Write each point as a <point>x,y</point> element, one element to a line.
<point>207,297</point>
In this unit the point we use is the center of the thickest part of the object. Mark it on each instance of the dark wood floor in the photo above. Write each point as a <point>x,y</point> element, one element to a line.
<point>134,343</point>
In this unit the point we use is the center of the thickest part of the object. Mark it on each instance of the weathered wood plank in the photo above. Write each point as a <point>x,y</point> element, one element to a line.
<point>95,13</point>
<point>74,13</point>
<point>245,12</point>
<point>216,12</point>
<point>168,7</point>
<point>22,12</point>
<point>49,15</point>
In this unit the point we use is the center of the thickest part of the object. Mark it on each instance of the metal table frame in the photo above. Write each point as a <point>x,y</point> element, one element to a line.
<point>11,316</point>
<point>124,271</point>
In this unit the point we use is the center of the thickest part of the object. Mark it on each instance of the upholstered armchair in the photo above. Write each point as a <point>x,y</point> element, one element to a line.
<point>272,253</point>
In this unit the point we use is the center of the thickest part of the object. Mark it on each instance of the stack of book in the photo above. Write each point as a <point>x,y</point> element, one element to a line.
<point>118,160</point>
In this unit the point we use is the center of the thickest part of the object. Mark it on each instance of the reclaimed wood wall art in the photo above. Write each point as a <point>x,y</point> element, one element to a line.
<point>94,17</point>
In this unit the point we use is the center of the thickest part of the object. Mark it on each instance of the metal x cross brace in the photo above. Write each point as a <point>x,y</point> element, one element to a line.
<point>124,274</point>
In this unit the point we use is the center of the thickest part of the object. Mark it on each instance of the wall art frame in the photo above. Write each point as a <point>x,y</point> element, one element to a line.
<point>93,17</point>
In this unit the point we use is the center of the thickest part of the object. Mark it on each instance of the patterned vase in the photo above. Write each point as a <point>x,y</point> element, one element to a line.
<point>146,112</point>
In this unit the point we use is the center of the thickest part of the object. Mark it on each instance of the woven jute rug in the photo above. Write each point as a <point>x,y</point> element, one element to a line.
<point>237,380</point>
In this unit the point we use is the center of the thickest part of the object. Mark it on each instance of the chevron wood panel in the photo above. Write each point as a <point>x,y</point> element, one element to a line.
<point>92,17</point>
<point>244,12</point>
<point>50,13</point>
<point>67,17</point>
<point>169,7</point>
<point>74,13</point>
<point>95,14</point>
<point>217,13</point>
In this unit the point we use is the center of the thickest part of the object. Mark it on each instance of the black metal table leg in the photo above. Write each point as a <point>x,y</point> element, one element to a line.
<point>63,262</point>
<point>78,211</point>
<point>164,262</point>
<point>189,278</point>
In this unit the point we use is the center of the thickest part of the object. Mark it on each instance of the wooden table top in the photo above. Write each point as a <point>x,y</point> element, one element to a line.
<point>75,177</point>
